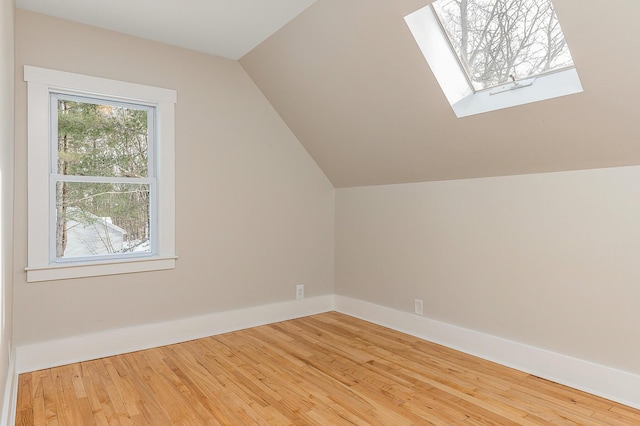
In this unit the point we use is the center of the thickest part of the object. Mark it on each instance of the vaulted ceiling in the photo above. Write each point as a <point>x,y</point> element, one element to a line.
<point>351,83</point>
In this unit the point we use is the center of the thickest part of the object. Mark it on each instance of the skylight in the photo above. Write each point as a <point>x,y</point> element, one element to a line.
<point>504,40</point>
<point>481,48</point>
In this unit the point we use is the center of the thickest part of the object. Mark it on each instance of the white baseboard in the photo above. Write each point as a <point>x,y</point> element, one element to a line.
<point>54,353</point>
<point>8,408</point>
<point>596,379</point>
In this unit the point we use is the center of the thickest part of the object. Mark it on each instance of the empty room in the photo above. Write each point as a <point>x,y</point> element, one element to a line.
<point>321,212</point>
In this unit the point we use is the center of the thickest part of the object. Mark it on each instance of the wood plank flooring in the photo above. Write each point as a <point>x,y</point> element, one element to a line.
<point>327,369</point>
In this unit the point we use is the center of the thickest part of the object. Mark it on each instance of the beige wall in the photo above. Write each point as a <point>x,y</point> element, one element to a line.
<point>254,212</point>
<point>7,8</point>
<point>549,260</point>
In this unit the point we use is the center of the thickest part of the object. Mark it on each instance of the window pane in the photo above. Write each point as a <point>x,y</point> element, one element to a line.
<point>95,219</point>
<point>500,41</point>
<point>102,140</point>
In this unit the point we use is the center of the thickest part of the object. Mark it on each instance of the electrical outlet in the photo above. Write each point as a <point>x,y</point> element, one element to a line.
<point>300,291</point>
<point>418,307</point>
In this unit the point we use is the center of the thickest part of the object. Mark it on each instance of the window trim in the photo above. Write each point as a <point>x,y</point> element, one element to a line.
<point>41,82</point>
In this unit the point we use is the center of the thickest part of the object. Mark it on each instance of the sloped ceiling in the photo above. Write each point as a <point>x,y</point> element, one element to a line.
<point>351,83</point>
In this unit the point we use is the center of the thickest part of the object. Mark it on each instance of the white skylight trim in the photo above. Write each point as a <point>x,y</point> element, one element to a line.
<point>447,69</point>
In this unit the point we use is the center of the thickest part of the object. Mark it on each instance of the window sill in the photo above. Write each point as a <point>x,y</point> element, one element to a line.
<point>95,269</point>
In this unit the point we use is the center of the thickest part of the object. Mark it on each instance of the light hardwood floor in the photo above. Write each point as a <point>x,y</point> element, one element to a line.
<point>327,369</point>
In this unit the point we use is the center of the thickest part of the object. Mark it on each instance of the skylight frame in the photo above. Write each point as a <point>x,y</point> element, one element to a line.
<point>443,30</point>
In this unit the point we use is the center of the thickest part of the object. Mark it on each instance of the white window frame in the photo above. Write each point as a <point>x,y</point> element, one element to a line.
<point>41,83</point>
<point>446,67</point>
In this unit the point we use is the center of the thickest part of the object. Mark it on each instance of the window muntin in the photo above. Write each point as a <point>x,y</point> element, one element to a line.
<point>503,41</point>
<point>102,178</point>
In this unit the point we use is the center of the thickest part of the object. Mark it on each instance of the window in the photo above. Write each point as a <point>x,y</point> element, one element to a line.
<point>503,40</point>
<point>101,176</point>
<point>493,54</point>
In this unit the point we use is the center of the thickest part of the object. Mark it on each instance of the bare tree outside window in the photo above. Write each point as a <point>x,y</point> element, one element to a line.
<point>499,41</point>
